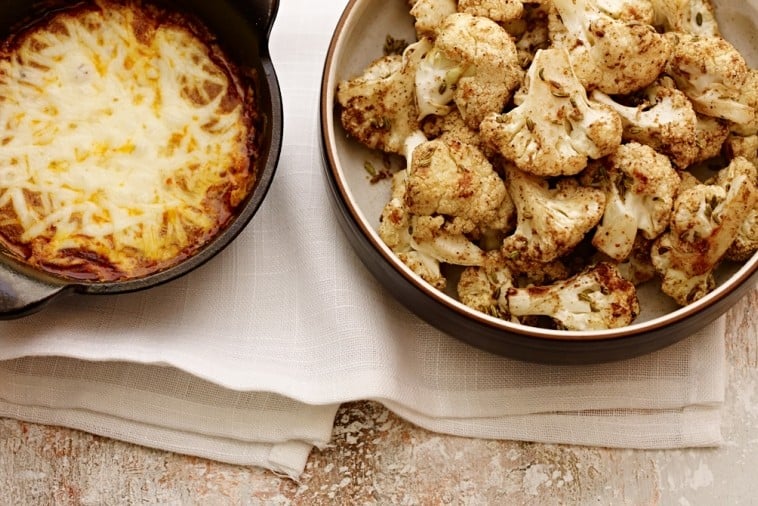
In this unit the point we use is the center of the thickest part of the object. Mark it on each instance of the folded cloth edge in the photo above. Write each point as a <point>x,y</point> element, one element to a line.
<point>287,458</point>
<point>698,426</point>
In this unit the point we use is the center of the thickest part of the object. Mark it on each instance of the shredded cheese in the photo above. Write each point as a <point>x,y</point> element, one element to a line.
<point>114,135</point>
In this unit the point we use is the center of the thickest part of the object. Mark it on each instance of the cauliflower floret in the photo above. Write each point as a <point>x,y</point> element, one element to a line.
<point>423,242</point>
<point>640,186</point>
<point>429,15</point>
<point>473,64</point>
<point>746,147</point>
<point>395,231</point>
<point>697,17</point>
<point>481,287</point>
<point>531,33</point>
<point>448,195</point>
<point>435,238</point>
<point>550,221</point>
<point>689,181</point>
<point>531,272</point>
<point>710,135</point>
<point>746,243</point>
<point>616,57</point>
<point>706,218</point>
<point>712,73</point>
<point>598,298</point>
<point>455,180</point>
<point>749,97</point>
<point>379,108</point>
<point>500,11</point>
<point>705,222</point>
<point>665,121</point>
<point>556,128</point>
<point>684,288</point>
<point>638,267</point>
<point>640,11</point>
<point>451,126</point>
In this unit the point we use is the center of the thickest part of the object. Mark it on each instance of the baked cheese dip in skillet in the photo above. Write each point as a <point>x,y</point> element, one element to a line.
<point>133,146</point>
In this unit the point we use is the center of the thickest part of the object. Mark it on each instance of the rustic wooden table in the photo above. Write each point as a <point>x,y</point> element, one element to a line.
<point>377,458</point>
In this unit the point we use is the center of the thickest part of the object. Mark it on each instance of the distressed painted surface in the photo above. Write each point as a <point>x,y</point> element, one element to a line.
<point>377,458</point>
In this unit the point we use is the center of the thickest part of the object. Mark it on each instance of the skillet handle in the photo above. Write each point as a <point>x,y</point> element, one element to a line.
<point>264,14</point>
<point>22,295</point>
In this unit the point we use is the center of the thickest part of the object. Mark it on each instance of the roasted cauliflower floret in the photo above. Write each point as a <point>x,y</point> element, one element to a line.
<point>451,127</point>
<point>746,243</point>
<point>423,242</point>
<point>749,97</point>
<point>550,221</point>
<point>689,181</point>
<point>531,32</point>
<point>453,179</point>
<point>429,15</point>
<point>473,65</point>
<point>697,17</point>
<point>556,128</point>
<point>664,120</point>
<point>712,73</point>
<point>710,135</point>
<point>705,222</point>
<point>614,56</point>
<point>434,237</point>
<point>640,185</point>
<point>638,267</point>
<point>378,108</point>
<point>746,147</point>
<point>598,298</point>
<point>395,230</point>
<point>500,11</point>
<point>481,287</point>
<point>684,288</point>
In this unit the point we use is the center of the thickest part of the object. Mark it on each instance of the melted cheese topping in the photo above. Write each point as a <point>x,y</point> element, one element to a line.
<point>123,144</point>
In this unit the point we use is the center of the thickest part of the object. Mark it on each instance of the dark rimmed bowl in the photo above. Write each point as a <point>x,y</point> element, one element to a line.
<point>242,29</point>
<point>358,40</point>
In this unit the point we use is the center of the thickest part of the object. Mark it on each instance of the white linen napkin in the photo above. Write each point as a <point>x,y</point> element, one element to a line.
<point>246,359</point>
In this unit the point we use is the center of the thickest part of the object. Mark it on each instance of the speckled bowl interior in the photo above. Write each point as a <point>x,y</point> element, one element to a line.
<point>358,40</point>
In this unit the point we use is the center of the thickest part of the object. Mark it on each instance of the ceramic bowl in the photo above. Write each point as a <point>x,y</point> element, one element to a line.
<point>358,39</point>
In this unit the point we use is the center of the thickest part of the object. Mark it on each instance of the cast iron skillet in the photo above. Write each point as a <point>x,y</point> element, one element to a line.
<point>242,28</point>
